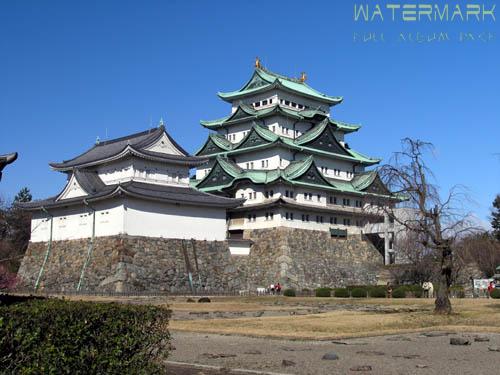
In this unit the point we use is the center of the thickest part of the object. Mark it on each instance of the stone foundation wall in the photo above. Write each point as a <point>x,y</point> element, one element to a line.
<point>295,257</point>
<point>302,258</point>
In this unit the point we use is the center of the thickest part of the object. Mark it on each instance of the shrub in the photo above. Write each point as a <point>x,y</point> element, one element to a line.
<point>377,292</point>
<point>457,291</point>
<point>323,292</point>
<point>55,336</point>
<point>495,293</point>
<point>415,290</point>
<point>289,292</point>
<point>358,293</point>
<point>341,292</point>
<point>399,292</point>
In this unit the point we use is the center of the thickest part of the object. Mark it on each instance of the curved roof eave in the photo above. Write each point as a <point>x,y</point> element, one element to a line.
<point>130,150</point>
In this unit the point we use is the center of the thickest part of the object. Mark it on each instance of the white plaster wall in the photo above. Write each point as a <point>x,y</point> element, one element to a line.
<point>276,157</point>
<point>143,171</point>
<point>154,219</point>
<point>76,222</point>
<point>280,94</point>
<point>235,133</point>
<point>331,164</point>
<point>279,219</point>
<point>202,172</point>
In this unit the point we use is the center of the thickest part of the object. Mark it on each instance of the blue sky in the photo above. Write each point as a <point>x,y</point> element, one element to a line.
<point>70,72</point>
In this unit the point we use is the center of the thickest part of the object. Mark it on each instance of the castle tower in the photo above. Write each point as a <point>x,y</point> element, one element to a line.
<point>283,152</point>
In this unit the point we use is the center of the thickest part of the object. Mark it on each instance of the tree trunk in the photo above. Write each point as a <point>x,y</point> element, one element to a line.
<point>442,303</point>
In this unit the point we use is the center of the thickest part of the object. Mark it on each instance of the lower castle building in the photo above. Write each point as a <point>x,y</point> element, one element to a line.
<point>278,196</point>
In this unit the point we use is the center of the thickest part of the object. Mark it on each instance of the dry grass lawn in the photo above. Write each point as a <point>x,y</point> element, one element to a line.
<point>469,315</point>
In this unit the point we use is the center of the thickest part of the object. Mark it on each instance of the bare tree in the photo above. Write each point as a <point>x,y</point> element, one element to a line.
<point>438,222</point>
<point>418,264</point>
<point>482,249</point>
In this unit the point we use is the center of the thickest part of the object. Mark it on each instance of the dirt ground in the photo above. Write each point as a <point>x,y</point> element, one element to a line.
<point>279,335</point>
<point>417,353</point>
<point>276,335</point>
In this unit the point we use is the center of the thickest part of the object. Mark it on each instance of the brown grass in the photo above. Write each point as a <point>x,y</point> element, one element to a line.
<point>469,315</point>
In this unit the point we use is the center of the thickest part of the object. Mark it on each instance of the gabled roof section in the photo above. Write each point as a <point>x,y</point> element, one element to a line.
<point>225,173</point>
<point>306,172</point>
<point>263,80</point>
<point>321,137</point>
<point>135,144</point>
<point>344,126</point>
<point>215,144</point>
<point>257,136</point>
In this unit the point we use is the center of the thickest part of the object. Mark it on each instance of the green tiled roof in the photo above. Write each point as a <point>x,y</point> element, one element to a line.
<point>303,143</point>
<point>245,113</point>
<point>225,173</point>
<point>263,80</point>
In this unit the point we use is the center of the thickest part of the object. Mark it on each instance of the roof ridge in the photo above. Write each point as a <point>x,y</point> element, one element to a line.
<point>131,136</point>
<point>278,75</point>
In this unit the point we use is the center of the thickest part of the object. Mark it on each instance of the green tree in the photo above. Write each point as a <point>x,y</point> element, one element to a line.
<point>495,217</point>
<point>24,195</point>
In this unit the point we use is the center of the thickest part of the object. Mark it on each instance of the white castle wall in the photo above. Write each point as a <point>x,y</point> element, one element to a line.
<point>151,219</point>
<point>131,216</point>
<point>76,222</point>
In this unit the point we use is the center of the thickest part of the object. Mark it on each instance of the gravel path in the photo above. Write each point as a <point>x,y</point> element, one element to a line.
<point>418,353</point>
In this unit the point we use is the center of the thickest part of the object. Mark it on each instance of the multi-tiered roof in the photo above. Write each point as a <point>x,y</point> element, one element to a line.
<point>324,139</point>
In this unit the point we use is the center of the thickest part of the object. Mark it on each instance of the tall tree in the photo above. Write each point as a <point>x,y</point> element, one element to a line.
<point>24,195</point>
<point>15,230</point>
<point>495,217</point>
<point>436,222</point>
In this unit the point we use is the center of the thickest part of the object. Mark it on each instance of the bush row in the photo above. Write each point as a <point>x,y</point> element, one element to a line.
<point>362,291</point>
<point>62,337</point>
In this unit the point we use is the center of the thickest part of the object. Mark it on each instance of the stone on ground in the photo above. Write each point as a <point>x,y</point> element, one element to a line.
<point>459,341</point>
<point>330,356</point>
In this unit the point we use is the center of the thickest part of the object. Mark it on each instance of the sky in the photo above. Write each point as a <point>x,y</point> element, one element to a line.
<point>74,71</point>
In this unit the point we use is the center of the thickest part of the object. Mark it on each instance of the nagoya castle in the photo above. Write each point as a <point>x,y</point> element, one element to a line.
<point>281,150</point>
<point>278,196</point>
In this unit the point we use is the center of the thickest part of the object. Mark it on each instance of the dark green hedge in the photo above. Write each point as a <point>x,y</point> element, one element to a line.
<point>289,293</point>
<point>399,292</point>
<point>377,292</point>
<point>62,337</point>
<point>359,293</point>
<point>495,293</point>
<point>323,292</point>
<point>341,292</point>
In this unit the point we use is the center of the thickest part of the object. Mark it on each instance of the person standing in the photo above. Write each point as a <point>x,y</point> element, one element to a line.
<point>278,289</point>
<point>491,286</point>
<point>389,290</point>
